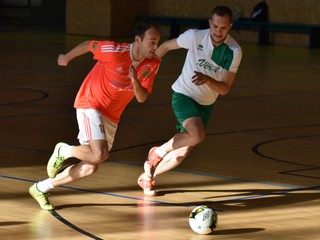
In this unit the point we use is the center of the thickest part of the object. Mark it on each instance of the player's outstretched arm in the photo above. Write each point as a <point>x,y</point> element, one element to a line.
<point>166,47</point>
<point>82,48</point>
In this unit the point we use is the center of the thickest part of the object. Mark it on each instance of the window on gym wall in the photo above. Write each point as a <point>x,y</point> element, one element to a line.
<point>21,3</point>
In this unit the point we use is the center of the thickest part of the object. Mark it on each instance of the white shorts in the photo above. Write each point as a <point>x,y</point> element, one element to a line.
<point>94,126</point>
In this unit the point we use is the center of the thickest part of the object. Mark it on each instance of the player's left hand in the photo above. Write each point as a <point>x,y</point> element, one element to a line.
<point>199,78</point>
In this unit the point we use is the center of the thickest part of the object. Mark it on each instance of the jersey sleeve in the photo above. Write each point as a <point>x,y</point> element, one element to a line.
<point>185,39</point>
<point>100,49</point>
<point>237,56</point>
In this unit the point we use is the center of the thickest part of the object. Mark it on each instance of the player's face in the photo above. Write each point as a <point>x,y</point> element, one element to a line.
<point>149,43</point>
<point>219,27</point>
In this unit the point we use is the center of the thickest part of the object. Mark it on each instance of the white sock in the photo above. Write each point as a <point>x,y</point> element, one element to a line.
<point>65,151</point>
<point>160,151</point>
<point>45,185</point>
<point>146,177</point>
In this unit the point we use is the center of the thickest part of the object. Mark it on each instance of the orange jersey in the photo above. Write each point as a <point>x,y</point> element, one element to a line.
<point>108,88</point>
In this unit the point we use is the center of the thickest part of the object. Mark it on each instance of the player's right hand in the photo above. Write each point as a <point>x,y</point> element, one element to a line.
<point>133,73</point>
<point>62,60</point>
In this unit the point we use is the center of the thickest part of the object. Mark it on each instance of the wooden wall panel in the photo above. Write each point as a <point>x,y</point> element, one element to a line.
<point>116,18</point>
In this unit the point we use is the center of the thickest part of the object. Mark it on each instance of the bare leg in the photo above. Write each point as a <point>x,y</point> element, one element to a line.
<point>193,135</point>
<point>172,160</point>
<point>177,149</point>
<point>180,146</point>
<point>95,152</point>
<point>91,157</point>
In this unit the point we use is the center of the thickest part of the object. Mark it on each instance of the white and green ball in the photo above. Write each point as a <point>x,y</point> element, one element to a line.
<point>203,220</point>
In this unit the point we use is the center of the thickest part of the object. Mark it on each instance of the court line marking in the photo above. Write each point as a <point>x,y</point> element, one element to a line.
<point>256,149</point>
<point>308,167</point>
<point>43,95</point>
<point>292,189</point>
<point>256,196</point>
<point>74,227</point>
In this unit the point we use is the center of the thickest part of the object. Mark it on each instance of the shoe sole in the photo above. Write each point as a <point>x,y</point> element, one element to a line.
<point>150,194</point>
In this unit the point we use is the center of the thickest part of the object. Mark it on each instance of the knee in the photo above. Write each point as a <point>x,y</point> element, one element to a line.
<point>197,138</point>
<point>88,169</point>
<point>195,130</point>
<point>100,156</point>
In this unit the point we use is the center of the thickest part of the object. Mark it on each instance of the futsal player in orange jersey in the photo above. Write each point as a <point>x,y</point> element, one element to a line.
<point>123,71</point>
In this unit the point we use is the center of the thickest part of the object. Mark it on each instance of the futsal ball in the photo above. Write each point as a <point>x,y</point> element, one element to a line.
<point>203,220</point>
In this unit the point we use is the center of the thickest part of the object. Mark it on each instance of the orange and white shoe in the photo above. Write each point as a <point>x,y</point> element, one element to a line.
<point>147,184</point>
<point>152,162</point>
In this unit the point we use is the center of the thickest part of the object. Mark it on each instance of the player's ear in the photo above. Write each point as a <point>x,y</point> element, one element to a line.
<point>137,39</point>
<point>231,24</point>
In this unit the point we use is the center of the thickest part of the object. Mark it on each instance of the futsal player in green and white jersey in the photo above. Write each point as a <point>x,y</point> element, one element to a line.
<point>209,70</point>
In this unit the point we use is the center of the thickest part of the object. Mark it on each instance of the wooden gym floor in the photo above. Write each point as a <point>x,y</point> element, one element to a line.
<point>258,167</point>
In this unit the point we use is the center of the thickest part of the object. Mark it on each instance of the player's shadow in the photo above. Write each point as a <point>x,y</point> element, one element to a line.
<point>237,231</point>
<point>80,205</point>
<point>11,223</point>
<point>250,198</point>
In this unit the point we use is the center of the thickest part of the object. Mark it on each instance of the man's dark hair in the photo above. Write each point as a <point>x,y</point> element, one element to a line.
<point>143,25</point>
<point>222,11</point>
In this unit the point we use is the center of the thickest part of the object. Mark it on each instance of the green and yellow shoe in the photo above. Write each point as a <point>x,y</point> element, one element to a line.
<point>40,197</point>
<point>56,161</point>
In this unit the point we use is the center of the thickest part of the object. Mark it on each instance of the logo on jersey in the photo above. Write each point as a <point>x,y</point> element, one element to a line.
<point>121,86</point>
<point>206,65</point>
<point>146,70</point>
<point>120,69</point>
<point>200,47</point>
<point>94,46</point>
